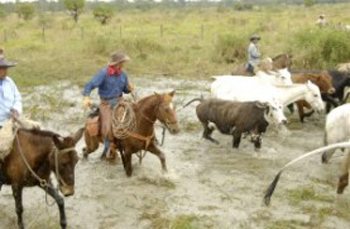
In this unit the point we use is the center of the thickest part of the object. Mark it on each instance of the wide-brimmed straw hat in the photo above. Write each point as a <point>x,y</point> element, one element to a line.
<point>254,37</point>
<point>3,62</point>
<point>118,57</point>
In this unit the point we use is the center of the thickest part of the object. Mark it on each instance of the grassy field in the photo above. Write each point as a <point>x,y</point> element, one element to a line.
<point>192,43</point>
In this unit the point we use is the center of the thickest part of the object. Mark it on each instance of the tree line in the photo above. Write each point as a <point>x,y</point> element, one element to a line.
<point>103,11</point>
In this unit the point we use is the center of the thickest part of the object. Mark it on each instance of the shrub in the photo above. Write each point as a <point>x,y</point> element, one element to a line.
<point>230,48</point>
<point>242,6</point>
<point>25,10</point>
<point>75,7</point>
<point>103,13</point>
<point>321,48</point>
<point>309,3</point>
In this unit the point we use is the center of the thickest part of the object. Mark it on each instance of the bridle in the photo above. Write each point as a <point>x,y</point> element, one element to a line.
<point>42,182</point>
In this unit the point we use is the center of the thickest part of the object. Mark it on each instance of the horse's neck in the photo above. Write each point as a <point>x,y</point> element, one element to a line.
<point>35,147</point>
<point>146,116</point>
<point>290,94</point>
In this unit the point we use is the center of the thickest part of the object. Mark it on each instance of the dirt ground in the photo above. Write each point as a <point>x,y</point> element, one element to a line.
<point>207,186</point>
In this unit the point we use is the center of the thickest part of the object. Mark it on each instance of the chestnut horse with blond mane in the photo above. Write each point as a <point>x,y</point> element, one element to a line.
<point>278,62</point>
<point>142,137</point>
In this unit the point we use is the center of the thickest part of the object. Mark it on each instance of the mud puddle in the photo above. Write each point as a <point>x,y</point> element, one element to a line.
<point>207,186</point>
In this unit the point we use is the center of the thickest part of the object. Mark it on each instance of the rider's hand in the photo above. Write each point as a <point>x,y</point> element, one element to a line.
<point>14,113</point>
<point>87,102</point>
<point>131,87</point>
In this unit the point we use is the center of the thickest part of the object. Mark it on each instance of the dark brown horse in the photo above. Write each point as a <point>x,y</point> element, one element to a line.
<point>147,111</point>
<point>278,62</point>
<point>324,82</point>
<point>34,156</point>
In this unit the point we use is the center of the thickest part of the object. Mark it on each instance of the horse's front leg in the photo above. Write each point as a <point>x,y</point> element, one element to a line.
<point>17,195</point>
<point>60,203</point>
<point>154,149</point>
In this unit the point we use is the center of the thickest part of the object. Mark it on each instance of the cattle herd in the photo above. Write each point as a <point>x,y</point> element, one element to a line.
<point>248,104</point>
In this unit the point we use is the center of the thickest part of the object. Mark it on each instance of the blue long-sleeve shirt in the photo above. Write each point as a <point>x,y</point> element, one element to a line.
<point>108,86</point>
<point>10,98</point>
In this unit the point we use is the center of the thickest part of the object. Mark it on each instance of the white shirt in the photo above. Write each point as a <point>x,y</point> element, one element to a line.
<point>10,98</point>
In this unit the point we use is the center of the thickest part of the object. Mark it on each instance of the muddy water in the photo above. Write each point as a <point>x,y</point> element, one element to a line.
<point>207,186</point>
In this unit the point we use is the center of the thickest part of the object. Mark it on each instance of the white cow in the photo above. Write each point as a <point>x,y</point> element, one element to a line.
<point>279,77</point>
<point>235,89</point>
<point>337,128</point>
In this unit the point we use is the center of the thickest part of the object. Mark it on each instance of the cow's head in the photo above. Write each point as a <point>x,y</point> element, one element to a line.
<point>273,112</point>
<point>283,77</point>
<point>63,161</point>
<point>313,97</point>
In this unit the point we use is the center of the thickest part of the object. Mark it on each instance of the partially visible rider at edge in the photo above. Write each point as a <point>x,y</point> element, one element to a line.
<point>253,54</point>
<point>111,82</point>
<point>10,98</point>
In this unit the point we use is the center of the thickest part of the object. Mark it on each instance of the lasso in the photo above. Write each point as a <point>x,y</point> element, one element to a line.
<point>123,120</point>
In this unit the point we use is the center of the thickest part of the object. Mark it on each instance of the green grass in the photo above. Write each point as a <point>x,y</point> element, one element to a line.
<point>76,52</point>
<point>299,195</point>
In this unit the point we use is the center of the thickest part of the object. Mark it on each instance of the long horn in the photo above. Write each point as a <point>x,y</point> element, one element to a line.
<point>193,100</point>
<point>272,186</point>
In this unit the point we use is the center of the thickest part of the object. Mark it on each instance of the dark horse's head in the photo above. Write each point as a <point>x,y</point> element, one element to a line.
<point>63,161</point>
<point>166,112</point>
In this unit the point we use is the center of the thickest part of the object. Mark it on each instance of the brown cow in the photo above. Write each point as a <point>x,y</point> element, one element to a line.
<point>323,80</point>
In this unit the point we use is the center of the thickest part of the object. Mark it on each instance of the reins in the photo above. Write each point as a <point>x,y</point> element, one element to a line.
<point>42,182</point>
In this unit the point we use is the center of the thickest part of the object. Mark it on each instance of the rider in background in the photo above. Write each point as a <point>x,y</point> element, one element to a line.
<point>253,54</point>
<point>111,82</point>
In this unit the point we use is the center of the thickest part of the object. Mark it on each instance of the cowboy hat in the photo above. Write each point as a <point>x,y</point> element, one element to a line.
<point>6,64</point>
<point>254,37</point>
<point>118,57</point>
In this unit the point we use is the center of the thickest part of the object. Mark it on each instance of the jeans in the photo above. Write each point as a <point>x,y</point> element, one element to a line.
<point>250,68</point>
<point>106,142</point>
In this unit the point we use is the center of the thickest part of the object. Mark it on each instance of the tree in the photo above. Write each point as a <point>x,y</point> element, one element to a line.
<point>309,3</point>
<point>75,7</point>
<point>25,10</point>
<point>103,13</point>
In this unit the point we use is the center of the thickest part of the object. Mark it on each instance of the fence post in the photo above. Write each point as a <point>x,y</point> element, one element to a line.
<point>5,35</point>
<point>202,32</point>
<point>43,33</point>
<point>82,33</point>
<point>161,30</point>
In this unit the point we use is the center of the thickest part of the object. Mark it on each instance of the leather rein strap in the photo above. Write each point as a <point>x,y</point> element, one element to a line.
<point>147,139</point>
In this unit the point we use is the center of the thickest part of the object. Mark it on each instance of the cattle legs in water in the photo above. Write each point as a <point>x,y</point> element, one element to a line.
<point>208,130</point>
<point>344,177</point>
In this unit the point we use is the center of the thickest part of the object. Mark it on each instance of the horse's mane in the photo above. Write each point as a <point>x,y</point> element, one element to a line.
<point>279,56</point>
<point>144,99</point>
<point>43,133</point>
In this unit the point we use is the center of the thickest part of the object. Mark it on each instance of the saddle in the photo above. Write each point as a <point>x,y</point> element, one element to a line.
<point>93,124</point>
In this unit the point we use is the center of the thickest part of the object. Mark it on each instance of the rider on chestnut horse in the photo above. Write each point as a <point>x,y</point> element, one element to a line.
<point>111,82</point>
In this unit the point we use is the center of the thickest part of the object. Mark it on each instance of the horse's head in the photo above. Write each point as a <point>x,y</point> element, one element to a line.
<point>166,112</point>
<point>313,96</point>
<point>324,81</point>
<point>63,161</point>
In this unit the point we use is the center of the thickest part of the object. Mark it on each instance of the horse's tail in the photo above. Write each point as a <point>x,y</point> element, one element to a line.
<point>194,100</point>
<point>272,186</point>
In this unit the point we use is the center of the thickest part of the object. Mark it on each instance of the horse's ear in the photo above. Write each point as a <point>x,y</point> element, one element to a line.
<point>59,141</point>
<point>77,135</point>
<point>172,93</point>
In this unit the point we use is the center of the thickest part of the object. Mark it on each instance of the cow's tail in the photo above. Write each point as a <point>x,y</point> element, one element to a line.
<point>194,100</point>
<point>272,186</point>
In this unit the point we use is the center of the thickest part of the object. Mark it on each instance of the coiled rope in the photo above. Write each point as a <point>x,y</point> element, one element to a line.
<point>123,120</point>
